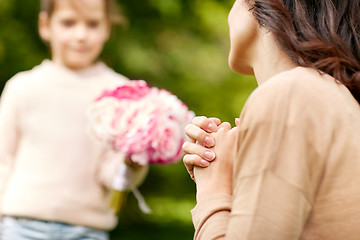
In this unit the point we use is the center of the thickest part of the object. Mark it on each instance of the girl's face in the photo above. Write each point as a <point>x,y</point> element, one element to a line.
<point>244,31</point>
<point>76,32</point>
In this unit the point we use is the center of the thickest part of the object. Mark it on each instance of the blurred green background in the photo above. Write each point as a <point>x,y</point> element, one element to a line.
<point>179,45</point>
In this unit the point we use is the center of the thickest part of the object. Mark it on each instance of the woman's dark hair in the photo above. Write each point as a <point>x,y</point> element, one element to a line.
<point>322,34</point>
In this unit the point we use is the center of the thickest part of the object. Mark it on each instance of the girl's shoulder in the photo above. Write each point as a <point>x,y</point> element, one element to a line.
<point>26,78</point>
<point>110,73</point>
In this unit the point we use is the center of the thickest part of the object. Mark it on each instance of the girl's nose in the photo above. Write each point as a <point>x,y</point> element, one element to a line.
<point>81,32</point>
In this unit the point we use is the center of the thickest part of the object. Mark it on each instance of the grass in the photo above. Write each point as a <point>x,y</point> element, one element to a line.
<point>169,193</point>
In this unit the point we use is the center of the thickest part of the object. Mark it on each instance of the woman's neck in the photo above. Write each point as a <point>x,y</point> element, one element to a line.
<point>270,59</point>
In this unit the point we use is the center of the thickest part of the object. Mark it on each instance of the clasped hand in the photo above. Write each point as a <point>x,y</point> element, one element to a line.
<point>209,155</point>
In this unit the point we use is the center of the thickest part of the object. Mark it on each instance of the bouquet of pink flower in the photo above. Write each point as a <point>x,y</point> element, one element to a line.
<point>147,124</point>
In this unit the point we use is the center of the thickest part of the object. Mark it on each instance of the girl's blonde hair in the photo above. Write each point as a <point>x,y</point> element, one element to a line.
<point>113,11</point>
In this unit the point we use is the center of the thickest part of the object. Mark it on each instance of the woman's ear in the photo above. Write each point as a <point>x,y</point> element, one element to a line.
<point>44,26</point>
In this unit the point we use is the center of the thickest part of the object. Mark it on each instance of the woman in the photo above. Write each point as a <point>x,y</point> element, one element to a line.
<point>290,169</point>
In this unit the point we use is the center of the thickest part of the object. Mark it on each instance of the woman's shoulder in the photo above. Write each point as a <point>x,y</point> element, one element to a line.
<point>297,79</point>
<point>298,93</point>
<point>299,85</point>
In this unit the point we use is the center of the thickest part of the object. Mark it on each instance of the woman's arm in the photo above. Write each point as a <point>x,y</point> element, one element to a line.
<point>214,186</point>
<point>217,177</point>
<point>197,149</point>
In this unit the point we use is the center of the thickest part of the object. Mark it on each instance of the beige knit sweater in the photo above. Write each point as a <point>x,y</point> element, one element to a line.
<point>297,171</point>
<point>51,168</point>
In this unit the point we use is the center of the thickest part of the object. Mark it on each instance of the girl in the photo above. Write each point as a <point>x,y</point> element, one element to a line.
<point>290,169</point>
<point>55,179</point>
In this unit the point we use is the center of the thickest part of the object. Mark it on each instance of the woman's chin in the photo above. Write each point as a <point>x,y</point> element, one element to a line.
<point>239,67</point>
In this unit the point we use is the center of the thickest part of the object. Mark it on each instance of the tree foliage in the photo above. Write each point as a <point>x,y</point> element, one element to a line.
<point>179,45</point>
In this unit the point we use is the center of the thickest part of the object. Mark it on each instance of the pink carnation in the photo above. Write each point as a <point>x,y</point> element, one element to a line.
<point>134,90</point>
<point>144,123</point>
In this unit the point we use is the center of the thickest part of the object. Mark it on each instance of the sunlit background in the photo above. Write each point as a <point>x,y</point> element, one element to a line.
<point>179,45</point>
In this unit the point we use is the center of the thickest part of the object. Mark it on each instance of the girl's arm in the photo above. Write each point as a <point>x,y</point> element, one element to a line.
<point>9,132</point>
<point>115,165</point>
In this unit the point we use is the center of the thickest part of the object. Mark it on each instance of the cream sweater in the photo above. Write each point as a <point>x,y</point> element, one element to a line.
<point>51,168</point>
<point>297,171</point>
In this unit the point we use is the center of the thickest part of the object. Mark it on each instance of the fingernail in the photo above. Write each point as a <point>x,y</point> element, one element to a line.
<point>204,163</point>
<point>237,121</point>
<point>209,155</point>
<point>212,127</point>
<point>209,141</point>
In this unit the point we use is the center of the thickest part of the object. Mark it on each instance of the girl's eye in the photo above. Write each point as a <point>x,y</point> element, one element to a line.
<point>68,23</point>
<point>93,24</point>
